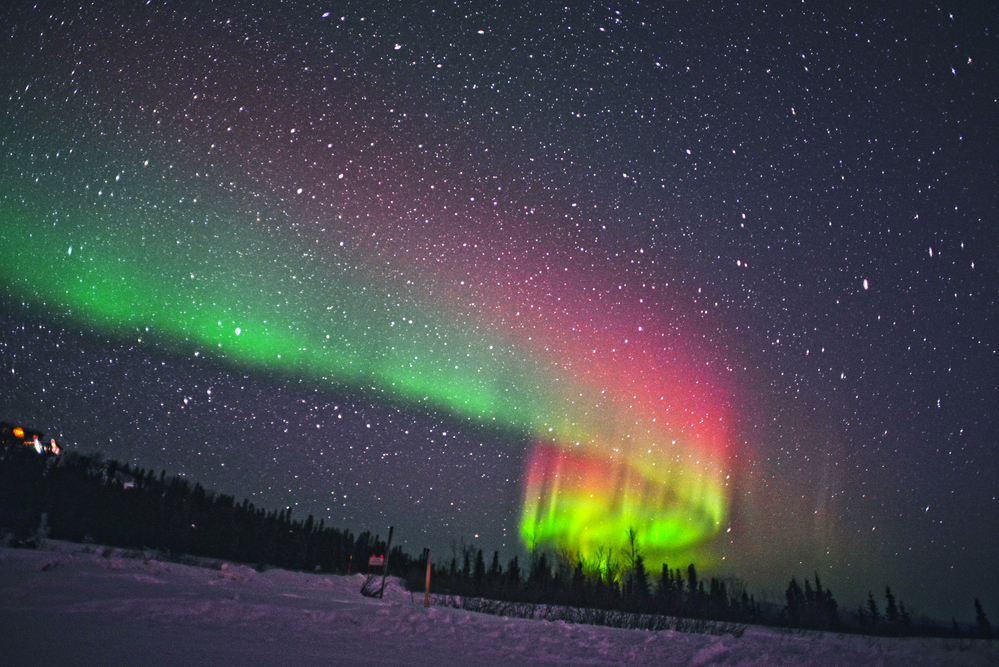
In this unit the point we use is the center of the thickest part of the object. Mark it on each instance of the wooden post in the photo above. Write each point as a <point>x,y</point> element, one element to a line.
<point>388,553</point>
<point>426,593</point>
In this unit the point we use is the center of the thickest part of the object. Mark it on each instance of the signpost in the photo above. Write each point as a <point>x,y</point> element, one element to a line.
<point>426,593</point>
<point>382,561</point>
<point>388,551</point>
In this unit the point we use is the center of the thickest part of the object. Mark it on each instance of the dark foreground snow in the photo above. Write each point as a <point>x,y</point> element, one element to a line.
<point>65,606</point>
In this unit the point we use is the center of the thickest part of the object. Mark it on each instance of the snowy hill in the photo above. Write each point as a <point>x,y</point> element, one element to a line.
<point>77,605</point>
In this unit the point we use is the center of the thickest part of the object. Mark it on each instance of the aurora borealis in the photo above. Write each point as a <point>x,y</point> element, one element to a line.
<point>620,396</point>
<point>525,278</point>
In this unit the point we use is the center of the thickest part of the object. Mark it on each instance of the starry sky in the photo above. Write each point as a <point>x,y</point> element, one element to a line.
<point>525,275</point>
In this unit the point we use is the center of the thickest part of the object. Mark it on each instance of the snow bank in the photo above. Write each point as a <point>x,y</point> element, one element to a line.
<point>70,605</point>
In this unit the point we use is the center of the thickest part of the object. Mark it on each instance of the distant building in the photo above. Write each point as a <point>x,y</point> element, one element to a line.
<point>22,436</point>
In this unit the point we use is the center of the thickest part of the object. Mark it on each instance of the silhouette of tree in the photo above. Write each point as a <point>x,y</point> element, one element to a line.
<point>634,550</point>
<point>906,622</point>
<point>862,620</point>
<point>891,611</point>
<point>513,575</point>
<point>579,592</point>
<point>874,616</point>
<point>466,568</point>
<point>984,627</point>
<point>480,570</point>
<point>495,572</point>
<point>795,603</point>
<point>87,498</point>
<point>639,585</point>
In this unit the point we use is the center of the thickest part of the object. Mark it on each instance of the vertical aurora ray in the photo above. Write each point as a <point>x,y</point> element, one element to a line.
<point>634,431</point>
<point>631,464</point>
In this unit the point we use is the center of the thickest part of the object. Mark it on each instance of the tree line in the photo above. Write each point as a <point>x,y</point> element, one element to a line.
<point>557,578</point>
<point>86,499</point>
<point>82,498</point>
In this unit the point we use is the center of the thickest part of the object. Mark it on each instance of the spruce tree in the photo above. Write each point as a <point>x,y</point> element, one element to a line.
<point>578,584</point>
<point>795,603</point>
<point>906,628</point>
<point>891,611</point>
<point>691,583</point>
<point>872,610</point>
<point>984,627</point>
<point>495,570</point>
<point>640,581</point>
<point>513,574</point>
<point>480,569</point>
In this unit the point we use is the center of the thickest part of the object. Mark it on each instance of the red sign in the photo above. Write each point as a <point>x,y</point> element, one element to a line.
<point>376,560</point>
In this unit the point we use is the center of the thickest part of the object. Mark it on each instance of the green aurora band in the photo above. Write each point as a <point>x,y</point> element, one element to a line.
<point>618,443</point>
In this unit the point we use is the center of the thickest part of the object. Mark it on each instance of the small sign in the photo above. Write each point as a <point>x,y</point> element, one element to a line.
<point>376,560</point>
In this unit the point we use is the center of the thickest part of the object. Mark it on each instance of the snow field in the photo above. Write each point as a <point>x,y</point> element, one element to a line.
<point>76,605</point>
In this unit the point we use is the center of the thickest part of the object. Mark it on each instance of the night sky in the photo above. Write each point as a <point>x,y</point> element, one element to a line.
<point>722,273</point>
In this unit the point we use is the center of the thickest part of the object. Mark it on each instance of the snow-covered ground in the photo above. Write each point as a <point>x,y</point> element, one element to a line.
<point>66,606</point>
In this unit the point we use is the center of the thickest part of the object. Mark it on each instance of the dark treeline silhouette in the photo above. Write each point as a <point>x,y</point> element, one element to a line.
<point>895,620</point>
<point>559,579</point>
<point>85,499</point>
<point>810,608</point>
